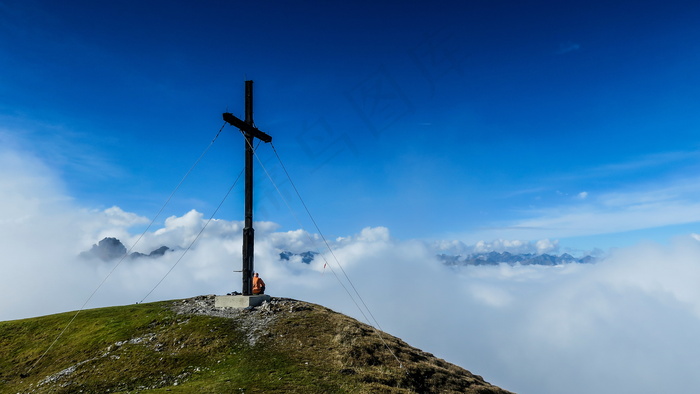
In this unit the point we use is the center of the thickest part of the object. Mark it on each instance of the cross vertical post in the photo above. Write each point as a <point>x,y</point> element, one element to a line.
<point>248,231</point>
<point>250,132</point>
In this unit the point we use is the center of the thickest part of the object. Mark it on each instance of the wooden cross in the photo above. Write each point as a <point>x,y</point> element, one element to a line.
<point>250,132</point>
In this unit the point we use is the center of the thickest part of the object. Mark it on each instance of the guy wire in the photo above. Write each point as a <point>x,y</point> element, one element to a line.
<point>127,252</point>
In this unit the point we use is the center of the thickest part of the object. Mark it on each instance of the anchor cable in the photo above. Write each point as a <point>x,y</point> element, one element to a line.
<point>195,238</point>
<point>286,202</point>
<point>376,330</point>
<point>325,241</point>
<point>70,322</point>
<point>200,232</point>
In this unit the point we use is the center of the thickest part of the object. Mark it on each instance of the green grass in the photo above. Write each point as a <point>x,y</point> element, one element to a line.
<point>150,348</point>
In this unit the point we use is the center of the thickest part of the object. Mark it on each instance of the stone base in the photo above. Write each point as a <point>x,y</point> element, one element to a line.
<point>240,301</point>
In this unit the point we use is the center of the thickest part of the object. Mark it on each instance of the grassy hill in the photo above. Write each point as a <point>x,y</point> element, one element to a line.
<point>188,346</point>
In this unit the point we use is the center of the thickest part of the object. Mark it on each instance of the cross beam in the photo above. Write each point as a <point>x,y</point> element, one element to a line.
<point>246,128</point>
<point>250,132</point>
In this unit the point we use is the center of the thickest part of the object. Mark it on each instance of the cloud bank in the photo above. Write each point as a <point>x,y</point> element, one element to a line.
<point>652,205</point>
<point>625,324</point>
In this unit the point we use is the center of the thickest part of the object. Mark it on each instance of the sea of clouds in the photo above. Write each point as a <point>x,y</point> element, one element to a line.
<point>628,323</point>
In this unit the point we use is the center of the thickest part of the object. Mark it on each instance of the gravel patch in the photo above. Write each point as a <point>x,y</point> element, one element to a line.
<point>254,321</point>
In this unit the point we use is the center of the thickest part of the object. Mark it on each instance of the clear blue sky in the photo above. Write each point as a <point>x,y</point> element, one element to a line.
<point>513,123</point>
<point>467,120</point>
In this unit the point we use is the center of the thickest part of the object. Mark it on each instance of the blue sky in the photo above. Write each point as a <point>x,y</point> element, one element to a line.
<point>460,120</point>
<point>410,129</point>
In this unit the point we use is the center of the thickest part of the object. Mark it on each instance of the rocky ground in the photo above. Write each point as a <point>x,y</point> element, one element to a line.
<point>255,321</point>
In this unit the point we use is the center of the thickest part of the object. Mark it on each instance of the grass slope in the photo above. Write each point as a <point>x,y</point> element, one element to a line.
<point>189,346</point>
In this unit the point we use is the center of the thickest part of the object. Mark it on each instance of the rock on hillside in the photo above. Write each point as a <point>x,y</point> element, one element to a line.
<point>191,346</point>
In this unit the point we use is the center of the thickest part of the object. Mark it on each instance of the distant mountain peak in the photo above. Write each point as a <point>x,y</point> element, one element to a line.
<point>110,248</point>
<point>495,258</point>
<point>485,258</point>
<point>306,257</point>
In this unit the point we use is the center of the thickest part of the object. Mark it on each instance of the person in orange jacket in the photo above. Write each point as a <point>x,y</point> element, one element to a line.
<point>258,285</point>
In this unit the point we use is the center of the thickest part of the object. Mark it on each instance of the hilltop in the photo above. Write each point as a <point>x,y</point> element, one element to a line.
<point>189,346</point>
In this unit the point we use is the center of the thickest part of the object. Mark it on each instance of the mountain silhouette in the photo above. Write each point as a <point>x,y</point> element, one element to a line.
<point>111,248</point>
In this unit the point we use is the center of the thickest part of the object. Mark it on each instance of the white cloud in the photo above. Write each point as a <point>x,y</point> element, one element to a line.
<point>117,217</point>
<point>515,246</point>
<point>546,246</point>
<point>645,207</point>
<point>625,324</point>
<point>296,241</point>
<point>649,203</point>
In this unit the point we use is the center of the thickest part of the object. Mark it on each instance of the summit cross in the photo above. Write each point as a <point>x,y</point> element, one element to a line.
<point>250,132</point>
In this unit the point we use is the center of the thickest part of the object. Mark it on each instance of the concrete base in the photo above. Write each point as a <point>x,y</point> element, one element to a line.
<point>240,301</point>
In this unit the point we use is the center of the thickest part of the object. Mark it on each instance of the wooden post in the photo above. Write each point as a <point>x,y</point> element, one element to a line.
<point>250,132</point>
<point>248,231</point>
